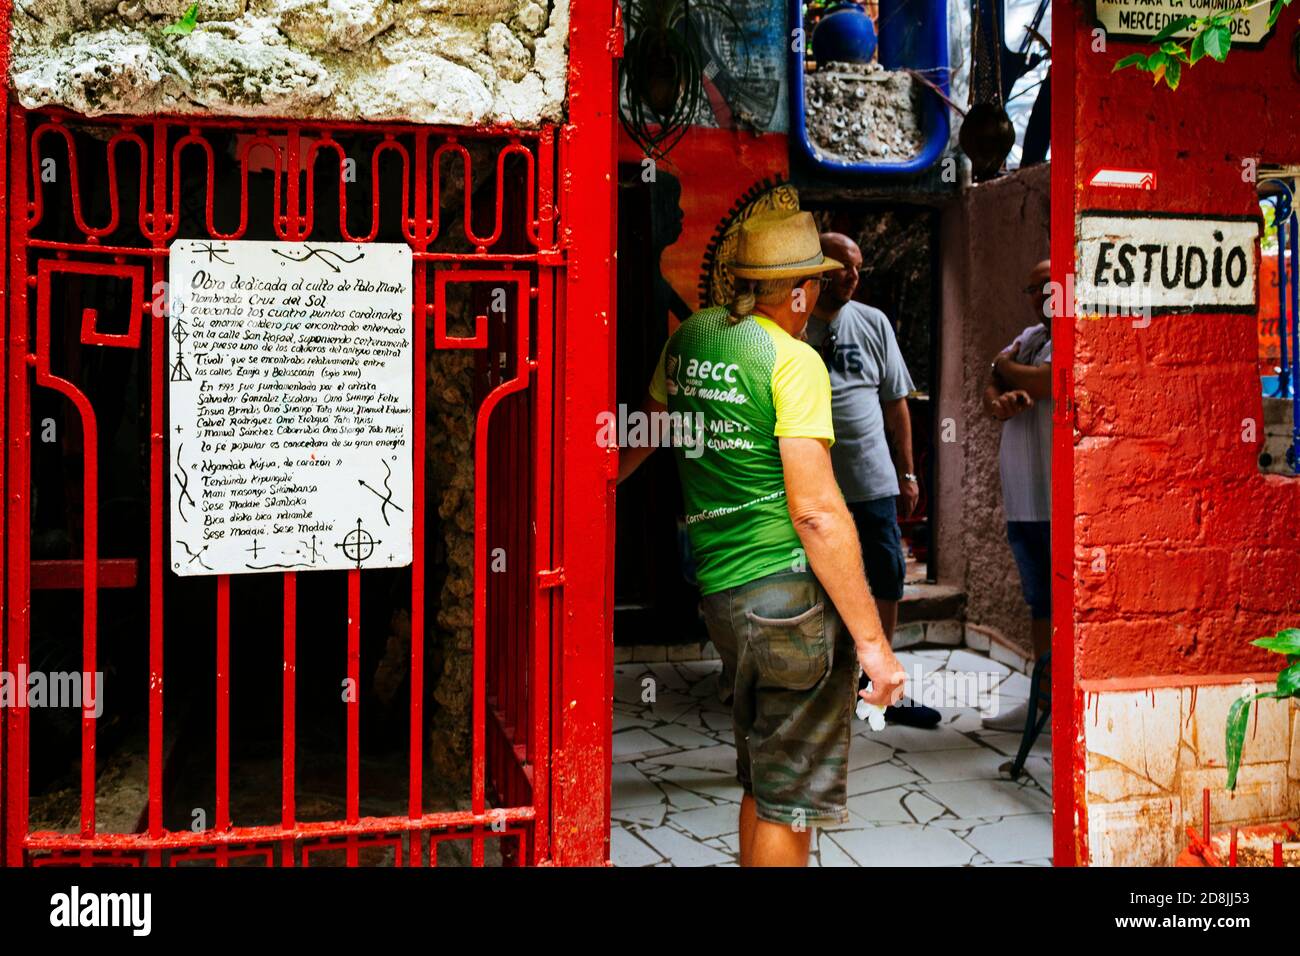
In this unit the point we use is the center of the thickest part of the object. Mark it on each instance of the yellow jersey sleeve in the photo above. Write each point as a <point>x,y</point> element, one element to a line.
<point>801,391</point>
<point>658,382</point>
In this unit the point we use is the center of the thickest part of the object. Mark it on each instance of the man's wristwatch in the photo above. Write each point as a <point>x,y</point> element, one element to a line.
<point>910,477</point>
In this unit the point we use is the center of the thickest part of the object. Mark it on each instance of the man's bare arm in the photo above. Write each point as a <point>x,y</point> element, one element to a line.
<point>1034,379</point>
<point>898,426</point>
<point>629,459</point>
<point>825,528</point>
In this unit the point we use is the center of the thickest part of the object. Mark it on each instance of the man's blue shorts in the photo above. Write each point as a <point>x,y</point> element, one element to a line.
<point>1031,543</point>
<point>882,546</point>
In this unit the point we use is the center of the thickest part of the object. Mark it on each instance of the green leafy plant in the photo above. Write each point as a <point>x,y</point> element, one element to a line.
<point>186,24</point>
<point>662,71</point>
<point>1286,642</point>
<point>1211,36</point>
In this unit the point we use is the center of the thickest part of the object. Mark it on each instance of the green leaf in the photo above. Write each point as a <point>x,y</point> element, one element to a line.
<point>1288,681</point>
<point>1217,41</point>
<point>185,25</point>
<point>1133,59</point>
<point>1198,47</point>
<point>1157,60</point>
<point>1276,12</point>
<point>1286,641</point>
<point>1234,737</point>
<point>1173,73</point>
<point>1172,27</point>
<point>1172,48</point>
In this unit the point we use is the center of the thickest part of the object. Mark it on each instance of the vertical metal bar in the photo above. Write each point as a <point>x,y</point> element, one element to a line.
<point>4,392</point>
<point>420,318</point>
<point>1294,230</point>
<point>354,707</point>
<point>223,713</point>
<point>293,219</point>
<point>288,802</point>
<point>1284,373</point>
<point>157,220</point>
<point>420,322</point>
<point>1069,819</point>
<point>539,739</point>
<point>89,602</point>
<point>18,520</point>
<point>581,799</point>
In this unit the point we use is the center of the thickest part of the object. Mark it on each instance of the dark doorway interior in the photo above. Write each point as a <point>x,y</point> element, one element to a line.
<point>656,601</point>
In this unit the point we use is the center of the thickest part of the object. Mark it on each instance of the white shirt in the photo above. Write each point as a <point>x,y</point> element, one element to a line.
<point>1025,458</point>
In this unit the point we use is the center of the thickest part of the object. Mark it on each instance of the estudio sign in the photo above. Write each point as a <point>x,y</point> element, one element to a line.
<point>1166,262</point>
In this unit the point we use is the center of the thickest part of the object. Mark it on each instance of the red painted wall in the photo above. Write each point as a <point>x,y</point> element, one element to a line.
<point>1202,553</point>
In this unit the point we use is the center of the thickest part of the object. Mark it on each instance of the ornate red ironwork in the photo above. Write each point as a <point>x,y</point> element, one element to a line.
<point>535,217</point>
<point>512,440</point>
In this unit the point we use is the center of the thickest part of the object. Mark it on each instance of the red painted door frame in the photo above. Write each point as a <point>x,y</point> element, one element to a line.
<point>580,782</point>
<point>1067,703</point>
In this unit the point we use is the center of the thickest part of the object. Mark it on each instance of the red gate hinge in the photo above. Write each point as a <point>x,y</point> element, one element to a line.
<point>550,257</point>
<point>553,578</point>
<point>615,44</point>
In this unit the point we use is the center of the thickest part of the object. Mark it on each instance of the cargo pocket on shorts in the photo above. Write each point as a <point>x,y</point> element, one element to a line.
<point>790,652</point>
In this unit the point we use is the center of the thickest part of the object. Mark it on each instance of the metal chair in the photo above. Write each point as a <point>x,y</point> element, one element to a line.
<point>1034,720</point>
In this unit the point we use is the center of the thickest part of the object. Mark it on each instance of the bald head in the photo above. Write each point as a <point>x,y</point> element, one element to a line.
<point>842,282</point>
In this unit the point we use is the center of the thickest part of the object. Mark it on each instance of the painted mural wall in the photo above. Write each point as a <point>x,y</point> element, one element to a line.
<point>1184,551</point>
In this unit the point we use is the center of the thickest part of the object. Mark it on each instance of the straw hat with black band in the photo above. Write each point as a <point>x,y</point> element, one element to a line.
<point>781,244</point>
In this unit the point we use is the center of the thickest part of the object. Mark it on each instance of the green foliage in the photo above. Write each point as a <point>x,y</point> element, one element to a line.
<point>185,25</point>
<point>1211,36</point>
<point>1285,642</point>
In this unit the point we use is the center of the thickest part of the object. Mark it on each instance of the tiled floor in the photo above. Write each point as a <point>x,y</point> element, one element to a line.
<point>916,797</point>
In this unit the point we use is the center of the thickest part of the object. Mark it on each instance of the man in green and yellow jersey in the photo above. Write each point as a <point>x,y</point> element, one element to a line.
<point>777,556</point>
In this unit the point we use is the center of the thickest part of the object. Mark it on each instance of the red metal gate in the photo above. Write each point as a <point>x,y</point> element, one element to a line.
<point>531,213</point>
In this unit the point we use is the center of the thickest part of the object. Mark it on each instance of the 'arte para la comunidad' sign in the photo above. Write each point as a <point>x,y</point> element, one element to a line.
<point>1159,263</point>
<point>1143,19</point>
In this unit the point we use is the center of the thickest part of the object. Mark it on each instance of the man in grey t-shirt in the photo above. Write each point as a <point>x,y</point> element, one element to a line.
<point>872,454</point>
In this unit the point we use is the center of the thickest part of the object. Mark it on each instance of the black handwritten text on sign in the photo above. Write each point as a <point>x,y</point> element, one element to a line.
<point>290,401</point>
<point>1161,264</point>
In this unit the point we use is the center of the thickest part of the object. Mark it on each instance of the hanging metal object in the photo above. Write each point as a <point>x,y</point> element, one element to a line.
<point>987,134</point>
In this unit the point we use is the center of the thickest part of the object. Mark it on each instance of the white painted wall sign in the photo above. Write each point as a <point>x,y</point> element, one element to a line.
<point>290,397</point>
<point>1143,19</point>
<point>1165,263</point>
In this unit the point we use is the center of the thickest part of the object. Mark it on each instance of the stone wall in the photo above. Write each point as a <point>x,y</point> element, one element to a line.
<point>454,62</point>
<point>990,237</point>
<point>1153,750</point>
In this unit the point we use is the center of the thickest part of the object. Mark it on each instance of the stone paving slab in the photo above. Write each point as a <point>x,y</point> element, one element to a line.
<point>918,797</point>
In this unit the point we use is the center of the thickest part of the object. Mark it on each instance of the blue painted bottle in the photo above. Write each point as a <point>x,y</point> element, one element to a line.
<point>845,35</point>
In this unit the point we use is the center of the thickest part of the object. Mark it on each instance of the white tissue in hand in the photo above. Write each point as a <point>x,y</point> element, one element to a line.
<point>872,714</point>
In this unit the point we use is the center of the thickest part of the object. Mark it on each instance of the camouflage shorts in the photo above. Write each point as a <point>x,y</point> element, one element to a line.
<point>796,679</point>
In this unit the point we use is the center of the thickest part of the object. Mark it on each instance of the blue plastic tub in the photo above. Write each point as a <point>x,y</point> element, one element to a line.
<point>912,33</point>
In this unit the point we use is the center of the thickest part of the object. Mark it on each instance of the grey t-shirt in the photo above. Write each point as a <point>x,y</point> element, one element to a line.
<point>1025,458</point>
<point>867,369</point>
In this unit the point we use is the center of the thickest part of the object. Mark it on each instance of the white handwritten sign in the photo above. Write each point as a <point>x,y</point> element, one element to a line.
<point>1143,19</point>
<point>290,390</point>
<point>1166,263</point>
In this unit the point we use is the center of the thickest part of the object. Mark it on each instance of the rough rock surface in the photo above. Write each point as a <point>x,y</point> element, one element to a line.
<point>452,62</point>
<point>859,112</point>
